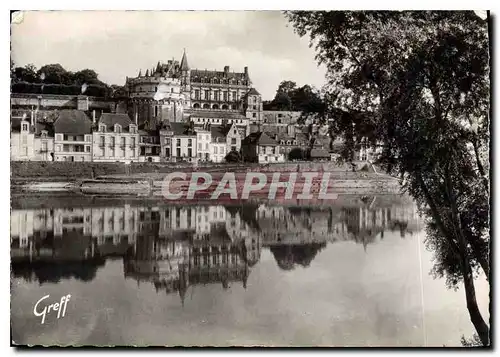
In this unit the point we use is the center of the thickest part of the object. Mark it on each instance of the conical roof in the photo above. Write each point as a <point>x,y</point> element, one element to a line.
<point>184,62</point>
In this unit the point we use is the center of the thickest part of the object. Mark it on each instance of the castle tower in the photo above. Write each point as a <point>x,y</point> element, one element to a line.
<point>186,79</point>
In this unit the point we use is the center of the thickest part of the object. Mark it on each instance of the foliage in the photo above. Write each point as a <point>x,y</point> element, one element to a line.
<point>418,82</point>
<point>54,79</point>
<point>290,97</point>
<point>233,156</point>
<point>296,154</point>
<point>475,341</point>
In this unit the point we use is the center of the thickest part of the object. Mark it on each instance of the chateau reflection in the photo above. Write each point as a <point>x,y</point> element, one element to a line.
<point>175,247</point>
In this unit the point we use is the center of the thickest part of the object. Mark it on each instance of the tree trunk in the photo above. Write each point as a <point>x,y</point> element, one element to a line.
<point>470,295</point>
<point>470,292</point>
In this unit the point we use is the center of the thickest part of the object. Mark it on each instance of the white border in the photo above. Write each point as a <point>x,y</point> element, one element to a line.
<point>179,5</point>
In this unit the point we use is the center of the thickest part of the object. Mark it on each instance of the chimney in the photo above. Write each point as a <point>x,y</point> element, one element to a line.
<point>246,71</point>
<point>226,69</point>
<point>136,117</point>
<point>32,117</point>
<point>93,116</point>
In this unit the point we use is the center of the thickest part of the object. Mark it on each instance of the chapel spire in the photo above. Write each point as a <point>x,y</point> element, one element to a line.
<point>184,62</point>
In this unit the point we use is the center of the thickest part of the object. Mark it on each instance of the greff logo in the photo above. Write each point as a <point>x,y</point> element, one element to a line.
<point>58,306</point>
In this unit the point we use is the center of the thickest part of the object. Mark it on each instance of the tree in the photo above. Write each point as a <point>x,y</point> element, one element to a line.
<point>233,156</point>
<point>55,74</point>
<point>88,76</point>
<point>418,81</point>
<point>296,154</point>
<point>25,74</point>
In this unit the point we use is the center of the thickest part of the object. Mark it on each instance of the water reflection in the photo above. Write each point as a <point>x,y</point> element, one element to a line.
<point>174,247</point>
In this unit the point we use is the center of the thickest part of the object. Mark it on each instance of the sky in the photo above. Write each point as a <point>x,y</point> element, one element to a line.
<point>117,44</point>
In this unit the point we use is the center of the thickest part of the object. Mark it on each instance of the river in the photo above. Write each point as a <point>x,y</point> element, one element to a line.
<point>143,273</point>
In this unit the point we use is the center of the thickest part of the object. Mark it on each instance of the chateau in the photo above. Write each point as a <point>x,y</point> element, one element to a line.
<point>168,113</point>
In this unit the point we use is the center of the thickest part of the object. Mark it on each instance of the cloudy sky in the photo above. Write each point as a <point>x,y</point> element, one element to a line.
<point>117,44</point>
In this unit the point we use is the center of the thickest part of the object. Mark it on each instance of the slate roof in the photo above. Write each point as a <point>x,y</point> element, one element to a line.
<point>259,138</point>
<point>217,114</point>
<point>184,62</point>
<point>36,129</point>
<point>220,131</point>
<point>110,119</point>
<point>70,121</point>
<point>220,74</point>
<point>253,91</point>
<point>180,129</point>
<point>319,153</point>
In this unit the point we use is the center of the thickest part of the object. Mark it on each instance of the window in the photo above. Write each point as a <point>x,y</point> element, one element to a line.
<point>132,129</point>
<point>112,141</point>
<point>225,96</point>
<point>207,95</point>
<point>233,141</point>
<point>197,94</point>
<point>66,148</point>
<point>234,96</point>
<point>122,141</point>
<point>156,111</point>
<point>87,148</point>
<point>178,152</point>
<point>25,127</point>
<point>190,143</point>
<point>102,140</point>
<point>254,115</point>
<point>102,128</point>
<point>88,138</point>
<point>44,146</point>
<point>178,142</point>
<point>156,89</point>
<point>167,141</point>
<point>200,147</point>
<point>222,150</point>
<point>58,148</point>
<point>215,149</point>
<point>59,137</point>
<point>190,152</point>
<point>132,142</point>
<point>206,146</point>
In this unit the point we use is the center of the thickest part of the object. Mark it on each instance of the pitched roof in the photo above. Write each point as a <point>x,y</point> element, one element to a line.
<point>253,91</point>
<point>70,121</point>
<point>259,138</point>
<point>184,62</point>
<point>220,74</point>
<point>110,119</point>
<point>180,128</point>
<point>318,153</point>
<point>217,114</point>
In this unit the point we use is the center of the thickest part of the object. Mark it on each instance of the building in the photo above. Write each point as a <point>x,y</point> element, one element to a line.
<point>259,147</point>
<point>158,95</point>
<point>218,145</point>
<point>183,143</point>
<point>202,118</point>
<point>253,106</point>
<point>73,136</point>
<point>116,139</point>
<point>31,140</point>
<point>204,140</point>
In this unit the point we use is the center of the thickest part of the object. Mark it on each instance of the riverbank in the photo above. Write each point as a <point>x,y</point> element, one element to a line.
<point>142,180</point>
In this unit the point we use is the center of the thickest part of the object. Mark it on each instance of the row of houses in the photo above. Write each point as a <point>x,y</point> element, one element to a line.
<point>72,136</point>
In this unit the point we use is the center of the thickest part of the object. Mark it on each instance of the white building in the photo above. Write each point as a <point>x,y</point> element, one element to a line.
<point>116,139</point>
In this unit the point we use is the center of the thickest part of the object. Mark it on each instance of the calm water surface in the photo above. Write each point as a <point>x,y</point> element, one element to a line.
<point>352,274</point>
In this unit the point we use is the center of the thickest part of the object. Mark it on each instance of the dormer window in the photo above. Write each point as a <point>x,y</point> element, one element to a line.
<point>132,128</point>
<point>44,133</point>
<point>102,128</point>
<point>25,127</point>
<point>118,128</point>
